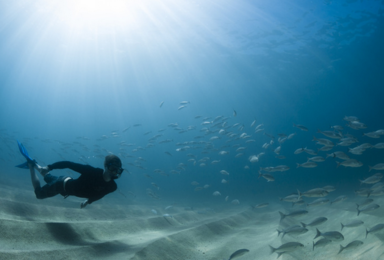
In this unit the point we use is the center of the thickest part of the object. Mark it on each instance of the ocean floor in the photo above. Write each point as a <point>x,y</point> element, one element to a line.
<point>58,229</point>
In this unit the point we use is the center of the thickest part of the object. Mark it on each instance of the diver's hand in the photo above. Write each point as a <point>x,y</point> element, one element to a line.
<point>85,203</point>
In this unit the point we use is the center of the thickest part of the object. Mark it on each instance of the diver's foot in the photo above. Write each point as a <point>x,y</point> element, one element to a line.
<point>42,170</point>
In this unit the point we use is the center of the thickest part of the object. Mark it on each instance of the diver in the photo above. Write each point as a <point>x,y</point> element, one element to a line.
<point>93,183</point>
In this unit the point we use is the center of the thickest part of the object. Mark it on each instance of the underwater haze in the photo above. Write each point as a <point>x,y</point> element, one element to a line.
<point>219,110</point>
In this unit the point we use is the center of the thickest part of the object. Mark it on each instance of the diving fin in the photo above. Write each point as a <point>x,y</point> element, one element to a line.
<point>23,165</point>
<point>24,152</point>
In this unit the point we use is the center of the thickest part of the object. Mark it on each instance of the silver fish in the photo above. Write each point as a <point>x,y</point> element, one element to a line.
<point>374,229</point>
<point>315,222</point>
<point>325,148</point>
<point>338,154</point>
<point>318,202</point>
<point>339,199</point>
<point>287,247</point>
<point>301,127</point>
<point>291,198</point>
<point>295,229</point>
<point>330,134</point>
<point>354,223</point>
<point>238,253</point>
<point>363,192</point>
<point>310,151</point>
<point>318,192</point>
<point>329,188</point>
<point>307,165</point>
<point>371,180</point>
<point>365,202</point>
<point>266,176</point>
<point>320,243</point>
<point>369,207</point>
<point>323,141</point>
<point>261,205</point>
<point>332,235</point>
<point>353,244</point>
<point>299,202</point>
<point>296,213</point>
<point>378,167</point>
<point>350,163</point>
<point>378,192</point>
<point>350,118</point>
<point>316,159</point>
<point>379,146</point>
<point>377,186</point>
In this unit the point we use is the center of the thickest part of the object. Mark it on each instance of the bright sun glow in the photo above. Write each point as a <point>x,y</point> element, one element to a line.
<point>101,14</point>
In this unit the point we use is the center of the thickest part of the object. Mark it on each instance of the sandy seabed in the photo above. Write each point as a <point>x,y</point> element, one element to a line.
<point>58,229</point>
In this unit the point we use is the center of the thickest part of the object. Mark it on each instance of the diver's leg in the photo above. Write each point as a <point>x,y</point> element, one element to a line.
<point>34,178</point>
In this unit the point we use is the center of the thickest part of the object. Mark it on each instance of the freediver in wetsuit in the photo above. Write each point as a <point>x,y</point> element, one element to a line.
<point>93,183</point>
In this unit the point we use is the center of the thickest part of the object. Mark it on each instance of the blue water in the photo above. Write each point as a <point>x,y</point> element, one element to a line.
<point>73,72</point>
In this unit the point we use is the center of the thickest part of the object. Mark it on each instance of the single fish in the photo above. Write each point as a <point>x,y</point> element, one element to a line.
<point>320,243</point>
<point>301,127</point>
<point>238,253</point>
<point>378,167</point>
<point>309,151</point>
<point>354,223</point>
<point>332,235</point>
<point>329,188</point>
<point>224,172</point>
<point>340,155</point>
<point>216,193</point>
<point>374,229</point>
<point>365,202</point>
<point>377,186</point>
<point>372,179</point>
<point>315,222</point>
<point>235,202</point>
<point>291,198</point>
<point>318,202</point>
<point>307,165</point>
<point>161,104</point>
<point>339,199</point>
<point>261,205</point>
<point>367,208</point>
<point>316,159</point>
<point>295,229</point>
<point>300,150</point>
<point>287,247</point>
<point>330,134</point>
<point>353,244</point>
<point>350,163</point>
<point>296,213</point>
<point>323,141</point>
<point>268,177</point>
<point>318,192</point>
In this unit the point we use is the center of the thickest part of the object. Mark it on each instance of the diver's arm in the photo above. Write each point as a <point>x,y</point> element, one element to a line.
<point>102,194</point>
<point>80,168</point>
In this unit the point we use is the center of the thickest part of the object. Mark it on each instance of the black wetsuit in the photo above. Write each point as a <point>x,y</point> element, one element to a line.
<point>90,184</point>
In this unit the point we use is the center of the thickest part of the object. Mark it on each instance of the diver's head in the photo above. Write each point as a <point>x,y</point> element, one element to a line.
<point>113,166</point>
